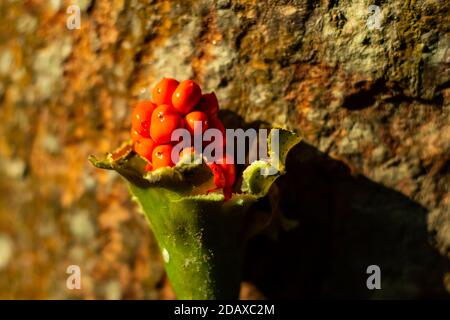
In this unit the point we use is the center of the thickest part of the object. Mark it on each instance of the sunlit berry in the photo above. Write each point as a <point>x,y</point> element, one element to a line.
<point>135,136</point>
<point>162,157</point>
<point>186,96</point>
<point>141,117</point>
<point>196,118</point>
<point>163,91</point>
<point>164,121</point>
<point>144,148</point>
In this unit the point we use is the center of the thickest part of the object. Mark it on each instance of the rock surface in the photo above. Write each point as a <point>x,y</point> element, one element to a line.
<point>368,186</point>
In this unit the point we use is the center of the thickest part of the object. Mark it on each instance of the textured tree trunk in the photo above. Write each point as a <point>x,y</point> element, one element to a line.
<point>368,187</point>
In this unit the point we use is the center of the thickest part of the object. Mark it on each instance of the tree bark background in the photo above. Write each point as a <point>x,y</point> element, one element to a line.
<point>368,186</point>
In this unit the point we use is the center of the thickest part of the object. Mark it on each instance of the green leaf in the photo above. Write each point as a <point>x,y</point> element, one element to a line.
<point>187,178</point>
<point>255,181</point>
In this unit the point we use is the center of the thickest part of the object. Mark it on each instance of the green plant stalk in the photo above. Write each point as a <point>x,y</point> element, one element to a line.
<point>200,240</point>
<point>200,236</point>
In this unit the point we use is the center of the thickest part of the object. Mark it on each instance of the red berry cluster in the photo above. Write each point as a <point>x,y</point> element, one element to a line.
<point>177,105</point>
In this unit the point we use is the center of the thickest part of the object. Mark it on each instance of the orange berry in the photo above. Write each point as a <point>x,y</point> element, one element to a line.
<point>162,156</point>
<point>135,136</point>
<point>144,148</point>
<point>196,117</point>
<point>209,104</point>
<point>164,121</point>
<point>141,117</point>
<point>163,91</point>
<point>186,96</point>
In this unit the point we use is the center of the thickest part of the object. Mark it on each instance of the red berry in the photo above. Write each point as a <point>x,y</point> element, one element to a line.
<point>209,104</point>
<point>144,148</point>
<point>227,193</point>
<point>219,178</point>
<point>163,91</point>
<point>186,96</point>
<point>162,156</point>
<point>141,117</point>
<point>195,118</point>
<point>164,121</point>
<point>229,171</point>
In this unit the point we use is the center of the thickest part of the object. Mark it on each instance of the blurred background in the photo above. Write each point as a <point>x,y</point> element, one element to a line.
<point>369,91</point>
